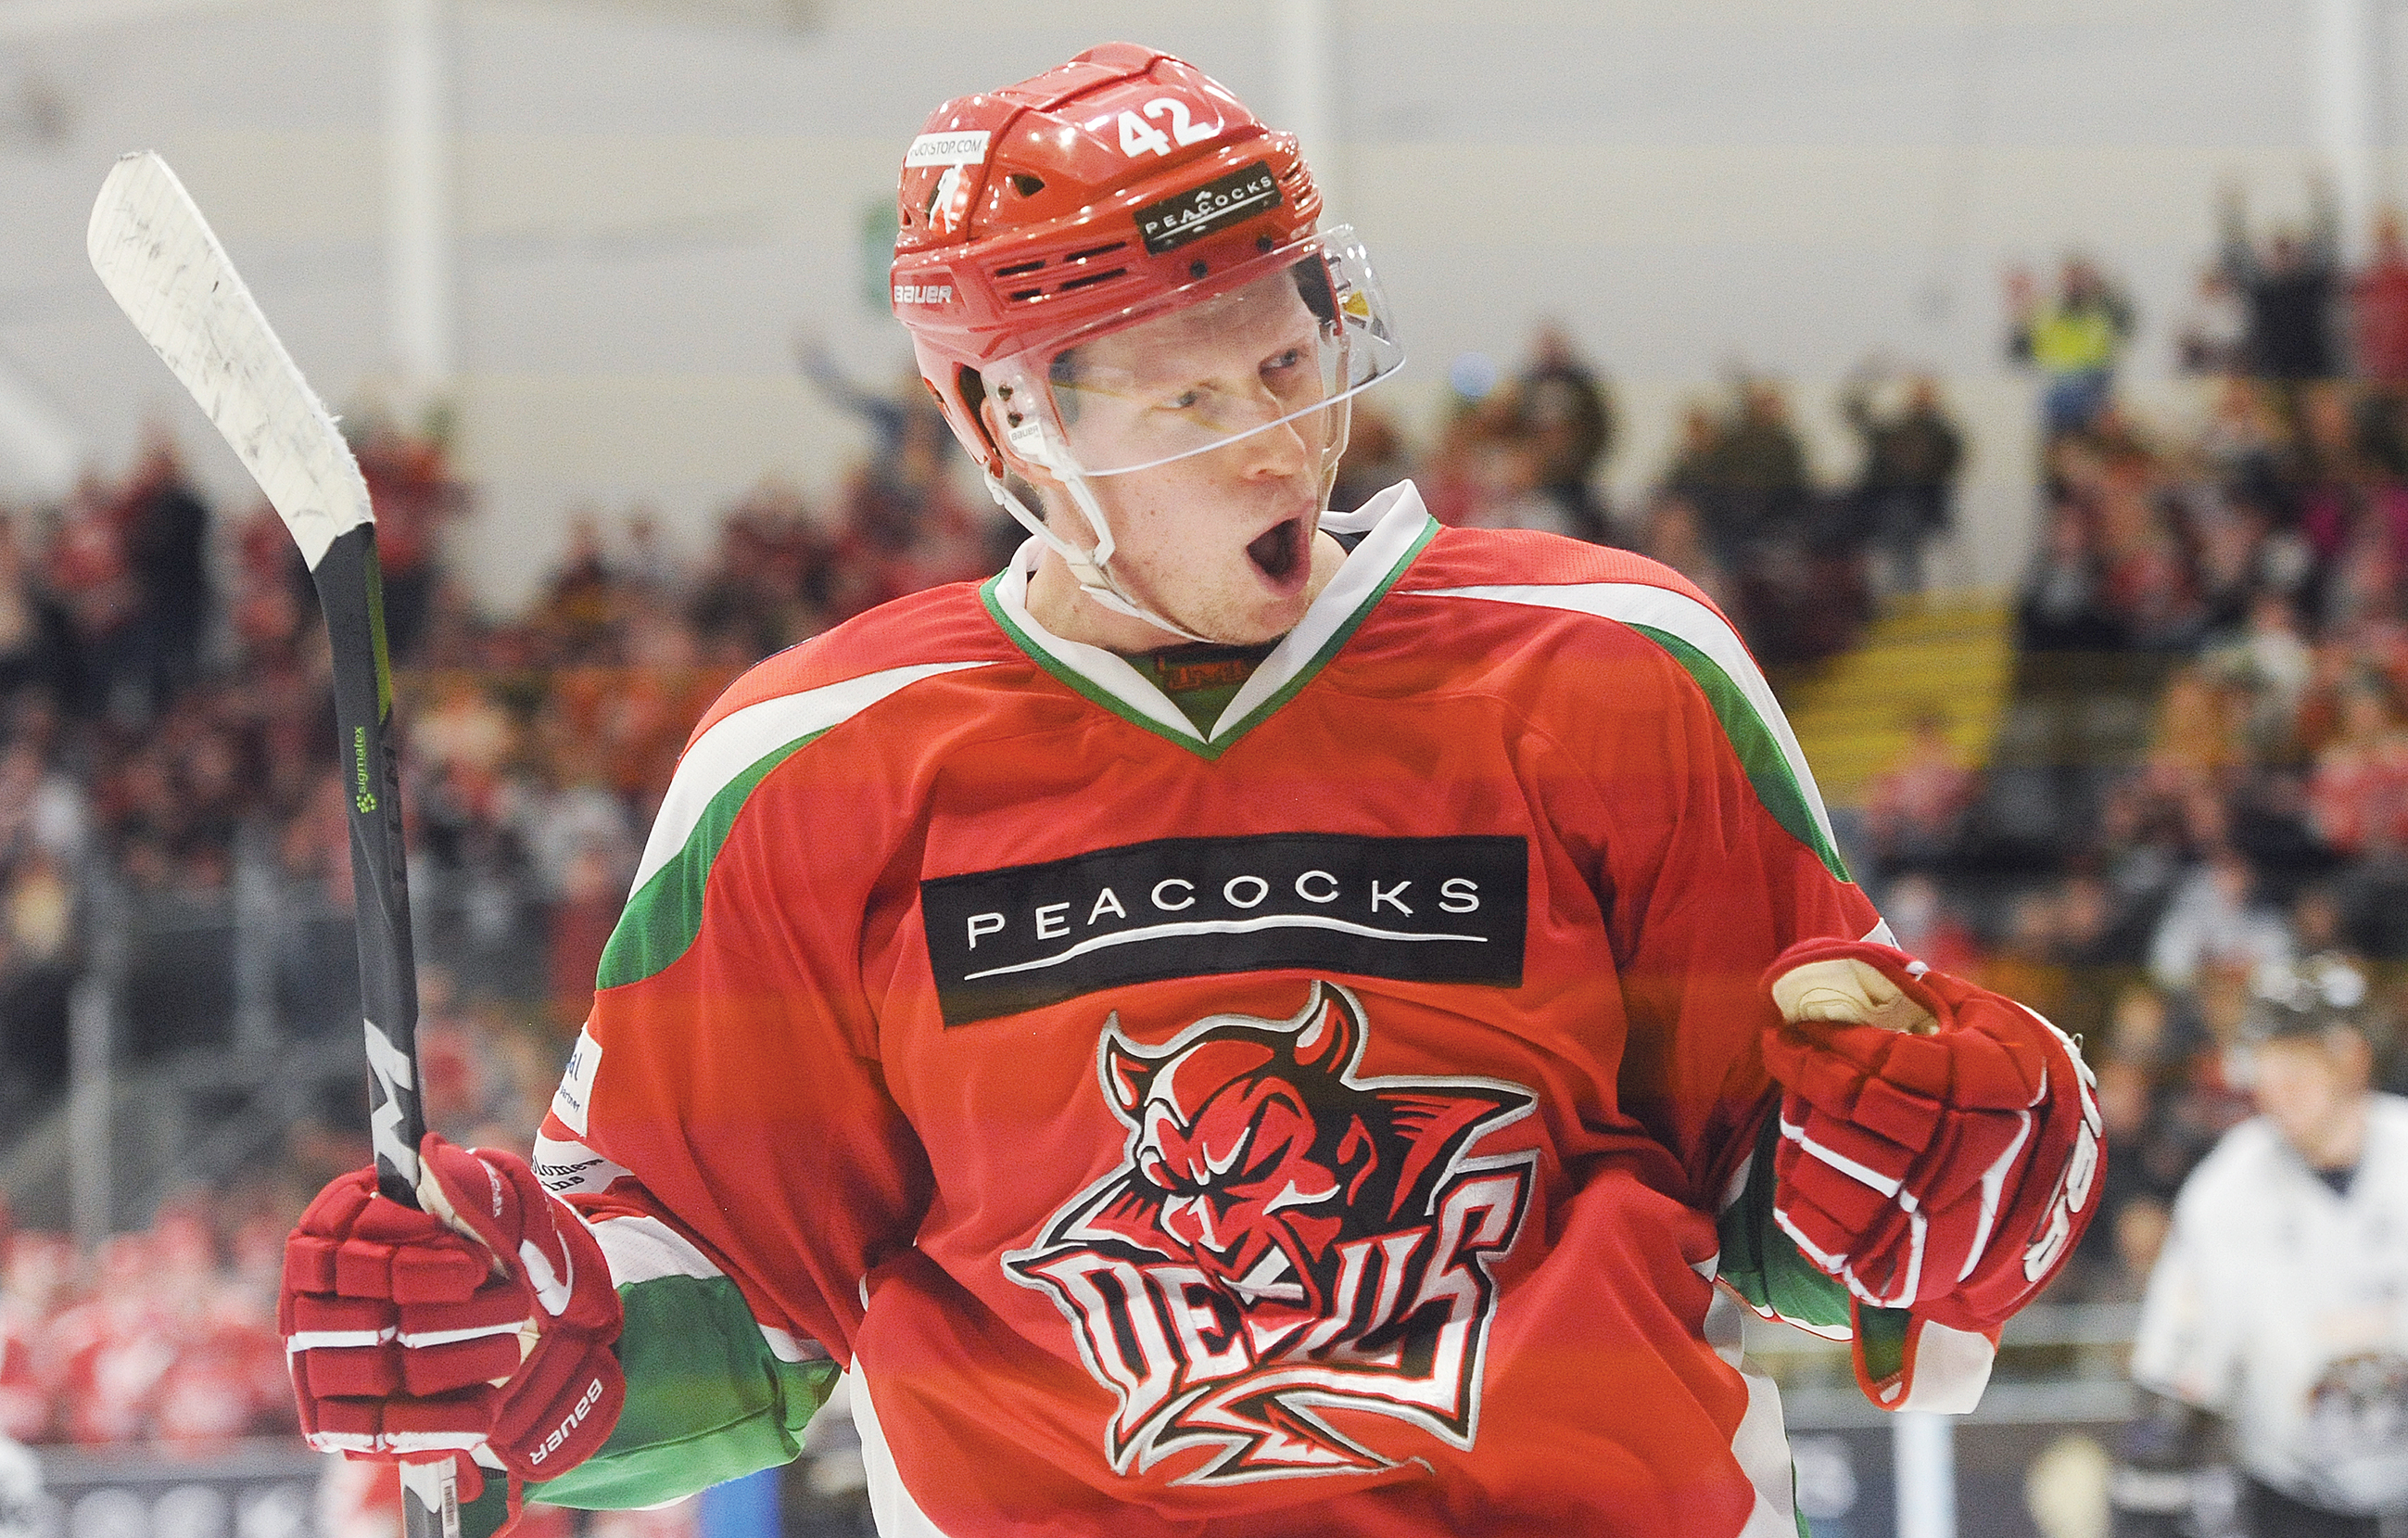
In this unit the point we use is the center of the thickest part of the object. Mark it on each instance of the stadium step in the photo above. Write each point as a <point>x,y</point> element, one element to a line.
<point>1949,653</point>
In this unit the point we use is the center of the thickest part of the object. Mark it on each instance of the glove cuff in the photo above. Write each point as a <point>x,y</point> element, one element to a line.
<point>1905,1359</point>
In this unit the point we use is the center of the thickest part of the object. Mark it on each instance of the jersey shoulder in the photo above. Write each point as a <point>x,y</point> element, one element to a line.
<point>944,625</point>
<point>1590,637</point>
<point>765,720</point>
<point>1474,557</point>
<point>1608,595</point>
<point>2234,1175</point>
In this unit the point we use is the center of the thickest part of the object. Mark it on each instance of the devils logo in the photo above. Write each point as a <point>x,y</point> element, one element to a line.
<point>1283,1238</point>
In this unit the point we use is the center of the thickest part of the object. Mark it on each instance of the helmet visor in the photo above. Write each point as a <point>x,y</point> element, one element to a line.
<point>1278,344</point>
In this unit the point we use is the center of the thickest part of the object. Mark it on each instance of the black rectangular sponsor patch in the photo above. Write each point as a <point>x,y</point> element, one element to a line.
<point>1450,909</point>
<point>1221,202</point>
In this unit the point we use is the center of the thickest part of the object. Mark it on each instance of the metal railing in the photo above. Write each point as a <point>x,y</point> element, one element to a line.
<point>203,1025</point>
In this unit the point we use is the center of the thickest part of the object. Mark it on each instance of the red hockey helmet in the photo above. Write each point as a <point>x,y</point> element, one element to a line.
<point>1119,186</point>
<point>1123,190</point>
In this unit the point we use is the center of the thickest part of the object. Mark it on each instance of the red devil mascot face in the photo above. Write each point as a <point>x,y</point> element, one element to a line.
<point>1256,1152</point>
<point>1282,1235</point>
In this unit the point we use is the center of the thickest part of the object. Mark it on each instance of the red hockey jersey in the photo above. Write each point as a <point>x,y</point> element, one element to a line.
<point>1313,1125</point>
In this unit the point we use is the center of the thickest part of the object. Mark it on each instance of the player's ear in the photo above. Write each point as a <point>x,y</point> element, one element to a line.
<point>2354,1057</point>
<point>991,418</point>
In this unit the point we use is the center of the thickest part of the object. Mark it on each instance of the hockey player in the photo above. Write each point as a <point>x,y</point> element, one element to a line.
<point>2276,1320</point>
<point>1250,1020</point>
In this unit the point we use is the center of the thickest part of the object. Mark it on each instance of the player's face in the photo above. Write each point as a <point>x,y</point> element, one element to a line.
<point>2307,1086</point>
<point>1222,541</point>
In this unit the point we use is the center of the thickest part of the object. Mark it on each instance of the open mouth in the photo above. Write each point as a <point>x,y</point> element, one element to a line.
<point>1279,551</point>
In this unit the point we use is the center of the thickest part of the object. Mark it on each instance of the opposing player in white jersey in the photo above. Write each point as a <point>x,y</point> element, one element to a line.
<point>2276,1320</point>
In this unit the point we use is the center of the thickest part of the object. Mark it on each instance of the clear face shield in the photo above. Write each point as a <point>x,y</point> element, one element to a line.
<point>1281,347</point>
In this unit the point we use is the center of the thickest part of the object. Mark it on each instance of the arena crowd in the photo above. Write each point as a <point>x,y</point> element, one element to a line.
<point>2203,767</point>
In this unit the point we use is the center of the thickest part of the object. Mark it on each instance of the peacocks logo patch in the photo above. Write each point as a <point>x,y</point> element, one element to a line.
<point>1450,909</point>
<point>1284,1237</point>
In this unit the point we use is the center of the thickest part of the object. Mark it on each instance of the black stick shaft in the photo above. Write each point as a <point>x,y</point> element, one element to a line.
<point>350,592</point>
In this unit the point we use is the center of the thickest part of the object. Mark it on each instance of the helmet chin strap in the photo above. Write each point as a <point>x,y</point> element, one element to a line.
<point>1092,571</point>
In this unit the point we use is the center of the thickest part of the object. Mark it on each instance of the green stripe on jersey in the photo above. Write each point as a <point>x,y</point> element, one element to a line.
<point>1763,1264</point>
<point>663,915</point>
<point>1707,649</point>
<point>718,771</point>
<point>706,1399</point>
<point>1768,767</point>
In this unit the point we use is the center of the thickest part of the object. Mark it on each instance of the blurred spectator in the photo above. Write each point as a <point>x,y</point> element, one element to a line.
<point>410,483</point>
<point>2243,449</point>
<point>766,589</point>
<point>579,612</point>
<point>1919,915</point>
<point>165,530</point>
<point>2074,339</point>
<point>1740,478</point>
<point>2216,914</point>
<point>1486,469</point>
<point>1906,489</point>
<point>93,580</point>
<point>1915,808</point>
<point>2062,604</point>
<point>1377,456</point>
<point>2272,665</point>
<point>2211,334</point>
<point>2288,286</point>
<point>1749,476</point>
<point>1565,417</point>
<point>2357,793</point>
<point>29,658</point>
<point>2379,307</point>
<point>901,527</point>
<point>653,570</point>
<point>1675,534</point>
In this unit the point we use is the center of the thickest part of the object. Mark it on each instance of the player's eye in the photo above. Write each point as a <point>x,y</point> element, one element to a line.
<point>1186,400</point>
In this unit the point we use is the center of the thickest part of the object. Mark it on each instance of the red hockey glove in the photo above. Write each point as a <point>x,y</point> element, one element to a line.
<point>1939,1142</point>
<point>482,1325</point>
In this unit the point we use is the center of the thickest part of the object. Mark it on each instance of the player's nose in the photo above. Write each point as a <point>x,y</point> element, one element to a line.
<point>1276,450</point>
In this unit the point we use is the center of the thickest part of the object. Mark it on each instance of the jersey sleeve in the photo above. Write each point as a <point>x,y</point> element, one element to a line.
<point>1721,857</point>
<point>723,1126</point>
<point>2186,1347</point>
<point>1724,857</point>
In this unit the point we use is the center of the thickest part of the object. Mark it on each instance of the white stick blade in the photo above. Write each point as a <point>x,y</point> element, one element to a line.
<point>168,272</point>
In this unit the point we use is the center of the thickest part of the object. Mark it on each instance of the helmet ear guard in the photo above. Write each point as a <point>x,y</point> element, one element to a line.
<point>1032,442</point>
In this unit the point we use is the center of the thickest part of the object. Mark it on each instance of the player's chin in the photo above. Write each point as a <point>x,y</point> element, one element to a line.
<point>1242,613</point>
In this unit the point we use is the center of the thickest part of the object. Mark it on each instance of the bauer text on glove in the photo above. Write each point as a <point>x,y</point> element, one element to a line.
<point>482,1325</point>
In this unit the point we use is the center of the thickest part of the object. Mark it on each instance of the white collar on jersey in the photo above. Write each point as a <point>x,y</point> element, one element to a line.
<point>1393,524</point>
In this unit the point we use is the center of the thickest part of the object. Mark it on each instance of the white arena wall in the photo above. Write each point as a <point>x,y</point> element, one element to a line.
<point>648,209</point>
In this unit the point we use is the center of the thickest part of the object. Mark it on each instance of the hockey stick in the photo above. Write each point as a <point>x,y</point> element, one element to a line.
<point>168,272</point>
